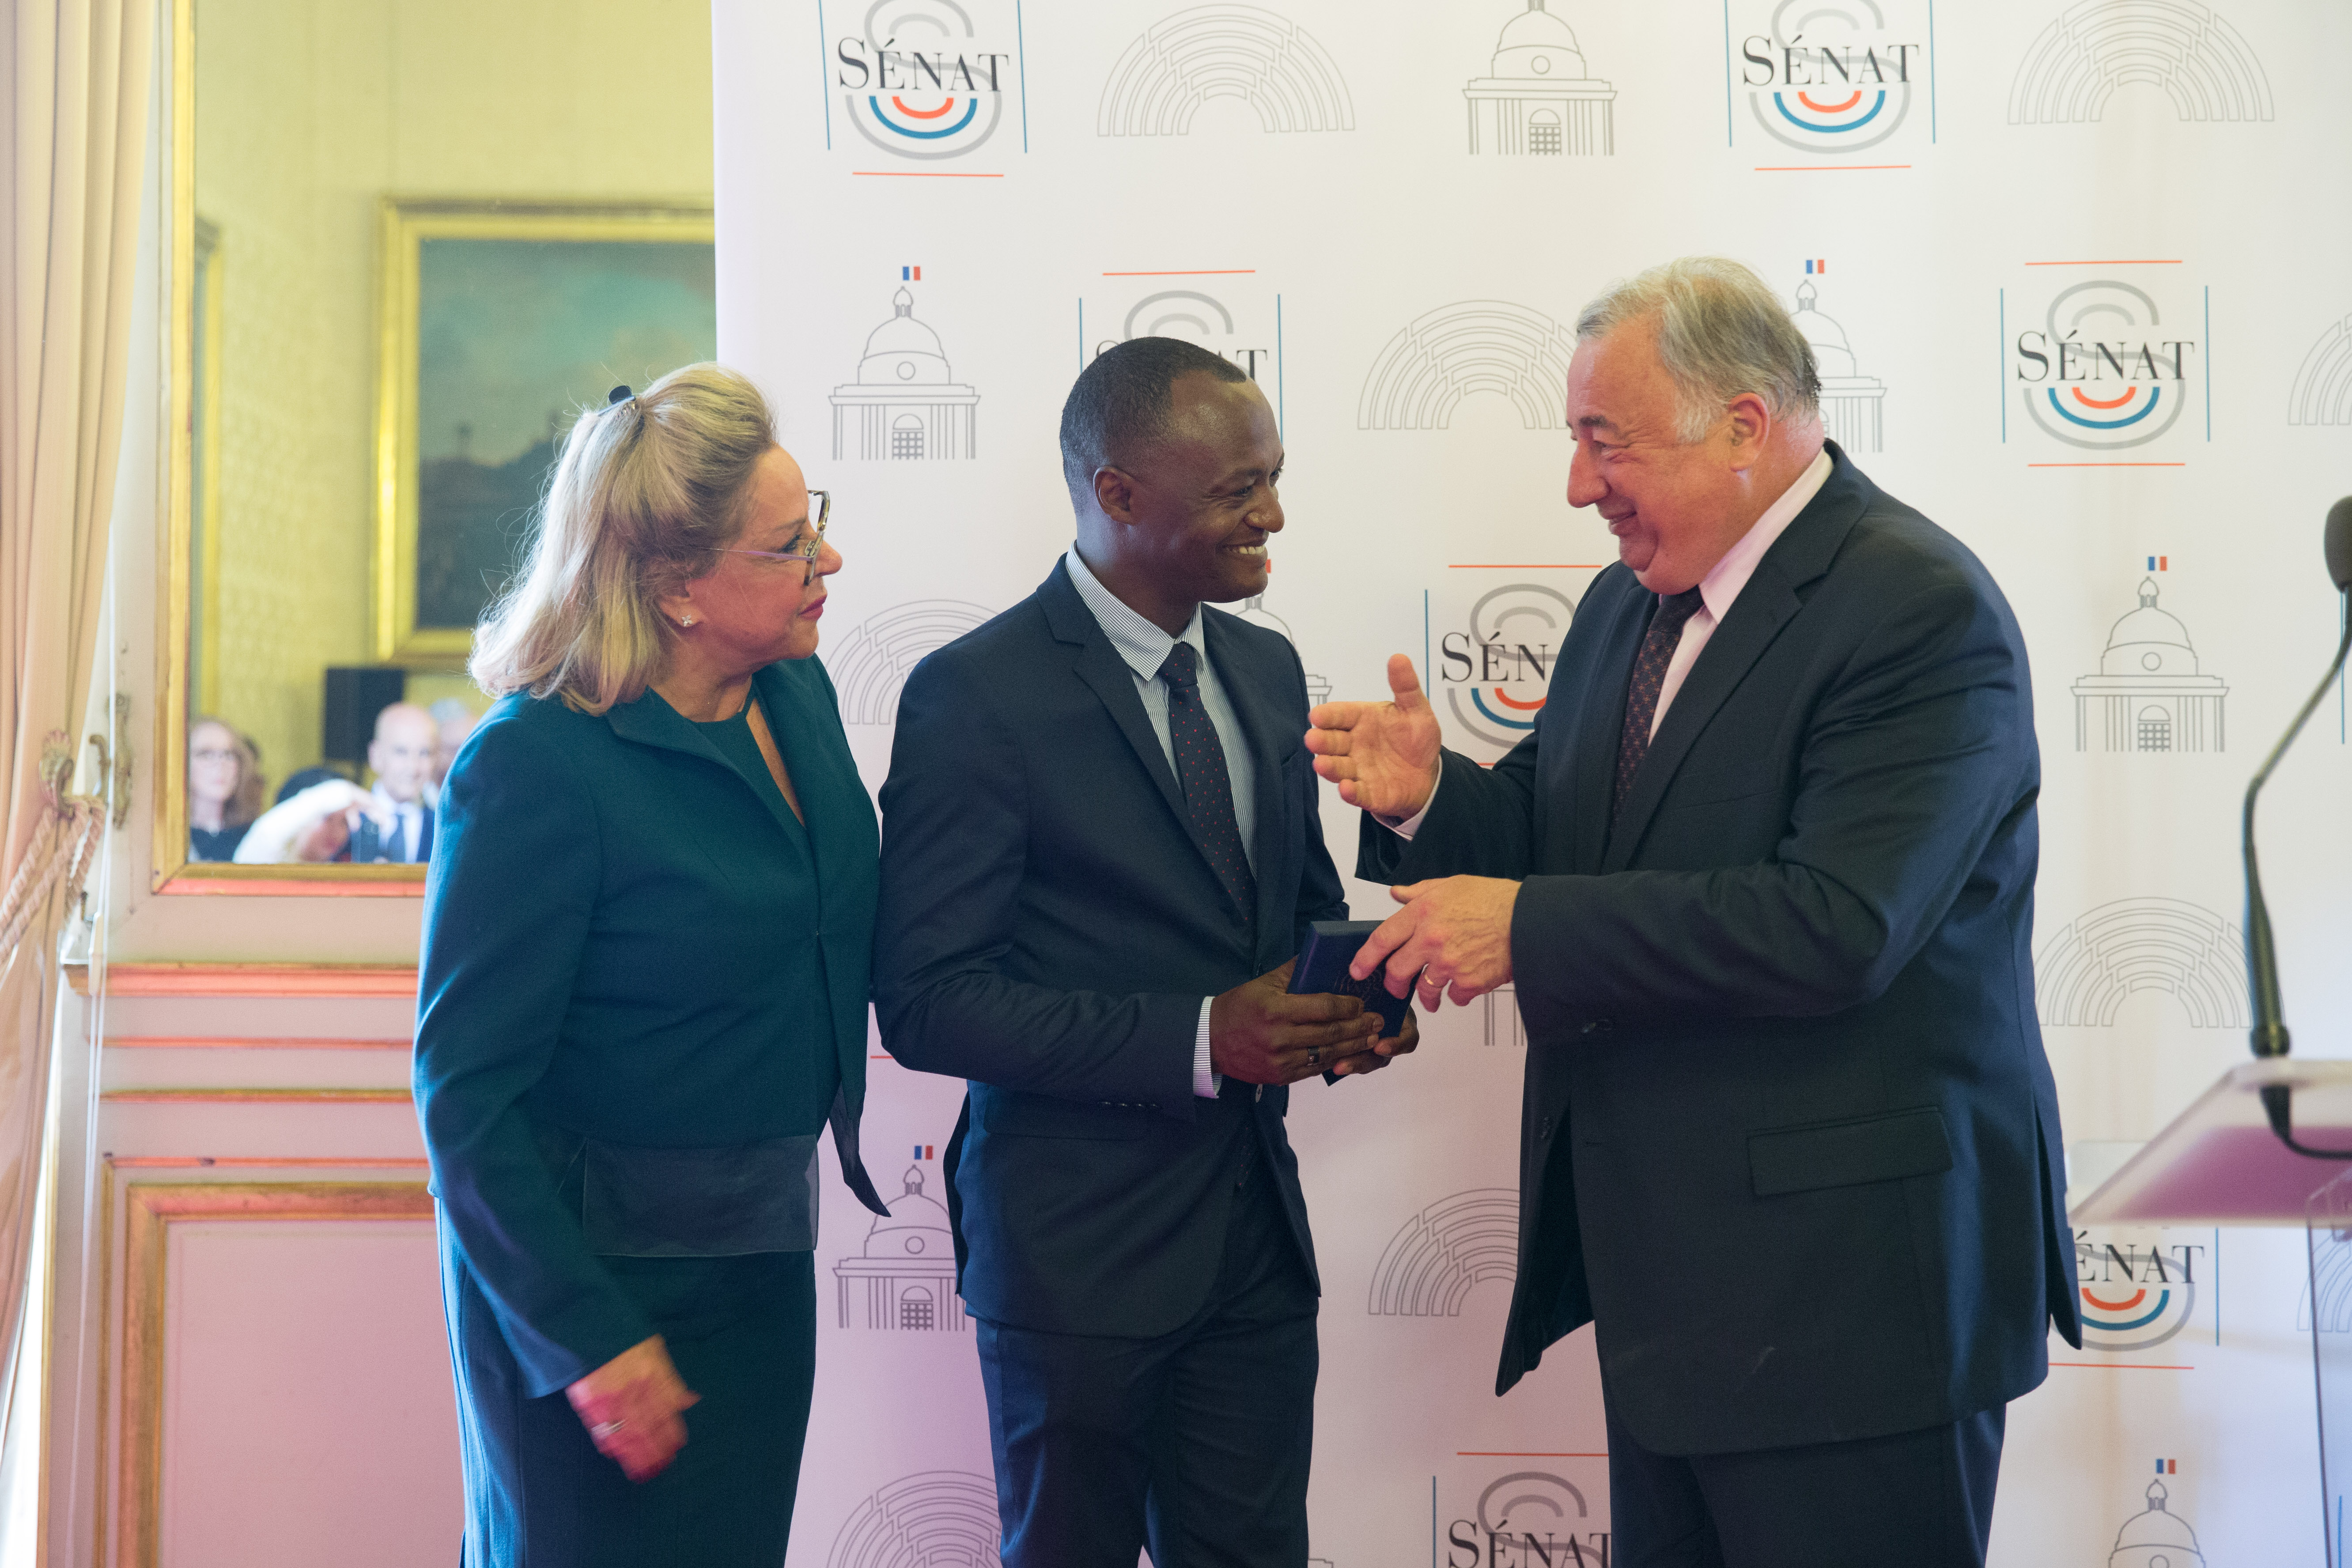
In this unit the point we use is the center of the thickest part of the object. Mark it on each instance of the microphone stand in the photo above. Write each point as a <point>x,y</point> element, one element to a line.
<point>2270,1034</point>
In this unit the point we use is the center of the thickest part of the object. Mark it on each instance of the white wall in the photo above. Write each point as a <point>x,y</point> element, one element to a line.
<point>2183,151</point>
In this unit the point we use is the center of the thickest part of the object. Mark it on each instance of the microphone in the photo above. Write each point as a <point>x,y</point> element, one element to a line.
<point>2339,544</point>
<point>2269,1035</point>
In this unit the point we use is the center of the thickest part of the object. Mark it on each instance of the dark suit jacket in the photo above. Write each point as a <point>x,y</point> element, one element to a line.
<point>1048,929</point>
<point>1789,1135</point>
<point>370,845</point>
<point>624,940</point>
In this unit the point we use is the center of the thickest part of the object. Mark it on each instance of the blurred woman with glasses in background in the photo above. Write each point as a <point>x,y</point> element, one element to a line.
<point>224,789</point>
<point>648,931</point>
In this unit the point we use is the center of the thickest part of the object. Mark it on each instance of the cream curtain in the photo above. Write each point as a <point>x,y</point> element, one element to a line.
<point>76,76</point>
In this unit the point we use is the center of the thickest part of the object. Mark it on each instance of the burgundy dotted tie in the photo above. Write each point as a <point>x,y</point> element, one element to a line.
<point>1208,788</point>
<point>1658,647</point>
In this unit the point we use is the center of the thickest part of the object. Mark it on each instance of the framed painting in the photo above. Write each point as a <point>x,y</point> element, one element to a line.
<point>500,321</point>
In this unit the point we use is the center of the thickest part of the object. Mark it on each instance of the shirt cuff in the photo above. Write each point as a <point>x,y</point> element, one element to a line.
<point>1205,1083</point>
<point>1411,825</point>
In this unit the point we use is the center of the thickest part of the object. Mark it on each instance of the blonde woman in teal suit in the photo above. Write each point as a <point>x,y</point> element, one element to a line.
<point>648,932</point>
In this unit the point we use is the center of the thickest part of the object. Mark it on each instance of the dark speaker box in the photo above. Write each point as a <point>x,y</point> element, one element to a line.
<point>355,695</point>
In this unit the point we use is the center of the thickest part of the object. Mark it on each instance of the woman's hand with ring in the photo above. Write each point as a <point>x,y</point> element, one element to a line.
<point>632,1406</point>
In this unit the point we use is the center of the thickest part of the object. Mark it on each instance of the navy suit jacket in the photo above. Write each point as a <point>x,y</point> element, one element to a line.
<point>1789,1135</point>
<point>625,939</point>
<point>1048,929</point>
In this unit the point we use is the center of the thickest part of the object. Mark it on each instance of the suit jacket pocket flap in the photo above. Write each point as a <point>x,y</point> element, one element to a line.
<point>1043,1116</point>
<point>1848,1153</point>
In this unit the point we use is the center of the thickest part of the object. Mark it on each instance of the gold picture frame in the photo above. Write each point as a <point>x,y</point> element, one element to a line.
<point>406,226</point>
<point>188,564</point>
<point>188,522</point>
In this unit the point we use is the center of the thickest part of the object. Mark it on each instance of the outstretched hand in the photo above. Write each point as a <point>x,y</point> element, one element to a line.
<point>1382,755</point>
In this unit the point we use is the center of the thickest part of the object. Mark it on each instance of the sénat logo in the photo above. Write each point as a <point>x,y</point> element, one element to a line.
<point>1228,312</point>
<point>1496,633</point>
<point>925,80</point>
<point>2106,363</point>
<point>1528,1518</point>
<point>2136,1289</point>
<point>1831,78</point>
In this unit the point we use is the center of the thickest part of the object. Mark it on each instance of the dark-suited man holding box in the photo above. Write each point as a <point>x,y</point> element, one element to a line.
<point>1101,848</point>
<point>1763,879</point>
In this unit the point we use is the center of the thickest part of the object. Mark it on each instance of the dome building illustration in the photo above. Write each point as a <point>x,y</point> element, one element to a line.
<point>1539,102</point>
<point>1851,402</point>
<point>906,1269</point>
<point>2150,695</point>
<point>1254,611</point>
<point>906,403</point>
<point>2156,1538</point>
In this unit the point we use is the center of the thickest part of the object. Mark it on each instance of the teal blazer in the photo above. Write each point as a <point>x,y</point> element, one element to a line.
<point>625,940</point>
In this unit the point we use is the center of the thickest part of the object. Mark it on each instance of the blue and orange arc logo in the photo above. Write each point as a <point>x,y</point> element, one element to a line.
<point>921,124</point>
<point>2133,1298</point>
<point>920,80</point>
<point>1496,667</point>
<point>1830,77</point>
<point>2135,404</point>
<point>1809,114</point>
<point>1509,719</point>
<point>2103,370</point>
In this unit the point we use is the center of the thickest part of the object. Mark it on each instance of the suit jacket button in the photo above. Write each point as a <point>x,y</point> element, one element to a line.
<point>1543,1128</point>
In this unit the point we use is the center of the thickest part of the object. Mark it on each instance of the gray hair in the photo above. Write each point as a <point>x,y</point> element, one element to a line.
<point>1721,332</point>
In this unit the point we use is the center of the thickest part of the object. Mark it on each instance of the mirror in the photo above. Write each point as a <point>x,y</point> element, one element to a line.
<point>411,240</point>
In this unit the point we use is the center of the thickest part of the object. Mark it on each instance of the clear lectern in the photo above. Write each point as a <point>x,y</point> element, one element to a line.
<point>2220,1163</point>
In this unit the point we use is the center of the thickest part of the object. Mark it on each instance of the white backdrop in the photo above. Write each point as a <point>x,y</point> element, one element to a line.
<point>2075,273</point>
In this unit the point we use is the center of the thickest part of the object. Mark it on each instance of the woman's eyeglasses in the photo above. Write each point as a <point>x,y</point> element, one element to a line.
<point>809,545</point>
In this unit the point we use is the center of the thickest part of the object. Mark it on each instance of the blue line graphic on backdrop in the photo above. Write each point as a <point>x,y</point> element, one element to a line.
<point>825,77</point>
<point>1730,125</point>
<point>1020,43</point>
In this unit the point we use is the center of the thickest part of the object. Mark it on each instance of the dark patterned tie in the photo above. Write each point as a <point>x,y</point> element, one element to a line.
<point>1208,788</point>
<point>1658,647</point>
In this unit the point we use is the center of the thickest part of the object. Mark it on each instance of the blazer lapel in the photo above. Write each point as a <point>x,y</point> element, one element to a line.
<point>800,736</point>
<point>1595,759</point>
<point>1096,663</point>
<point>1261,726</point>
<point>1802,553</point>
<point>650,722</point>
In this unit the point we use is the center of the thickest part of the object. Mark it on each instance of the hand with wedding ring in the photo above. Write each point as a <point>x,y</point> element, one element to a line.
<point>1259,1033</point>
<point>1453,938</point>
<point>632,1406</point>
